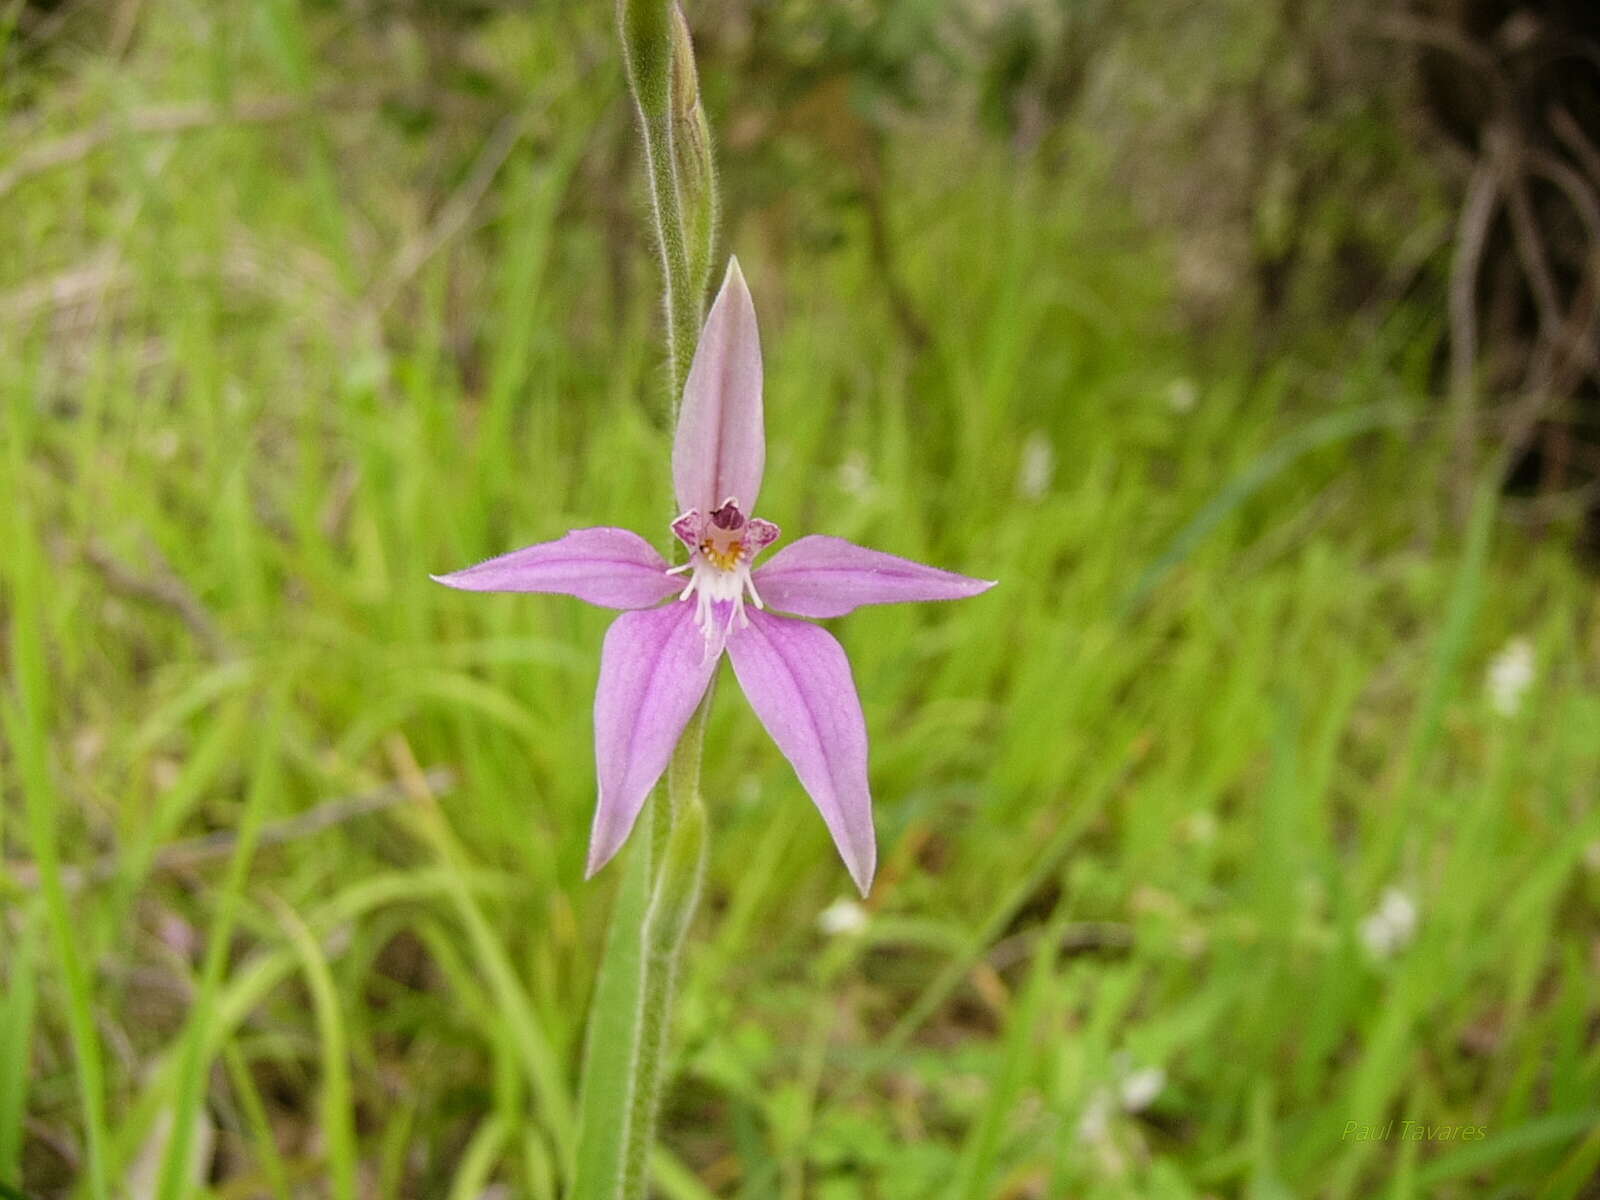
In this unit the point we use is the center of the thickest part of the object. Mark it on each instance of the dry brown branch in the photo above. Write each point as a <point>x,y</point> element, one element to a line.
<point>1566,345</point>
<point>1563,348</point>
<point>160,585</point>
<point>1572,135</point>
<point>124,22</point>
<point>300,282</point>
<point>1077,938</point>
<point>1579,334</point>
<point>1579,193</point>
<point>59,1141</point>
<point>1472,232</point>
<point>341,496</point>
<point>1404,27</point>
<point>453,217</point>
<point>153,121</point>
<point>197,852</point>
<point>880,243</point>
<point>1409,27</point>
<point>1530,246</point>
<point>77,285</point>
<point>1551,506</point>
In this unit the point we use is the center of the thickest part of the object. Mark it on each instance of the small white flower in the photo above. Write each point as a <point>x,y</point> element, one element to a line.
<point>1182,395</point>
<point>166,445</point>
<point>1037,469</point>
<point>1201,827</point>
<point>1141,1087</point>
<point>1391,926</point>
<point>1510,676</point>
<point>855,476</point>
<point>843,916</point>
<point>1094,1123</point>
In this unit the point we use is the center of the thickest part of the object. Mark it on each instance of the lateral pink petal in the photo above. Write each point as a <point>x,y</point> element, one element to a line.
<point>614,568</point>
<point>820,576</point>
<point>720,449</point>
<point>654,668</point>
<point>798,680</point>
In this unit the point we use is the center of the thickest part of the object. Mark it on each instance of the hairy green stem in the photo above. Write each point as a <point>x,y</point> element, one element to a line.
<point>682,304</point>
<point>648,46</point>
<point>629,1030</point>
<point>677,891</point>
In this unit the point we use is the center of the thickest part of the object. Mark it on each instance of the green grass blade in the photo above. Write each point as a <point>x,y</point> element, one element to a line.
<point>611,1045</point>
<point>16,1041</point>
<point>1324,431</point>
<point>24,712</point>
<point>335,1116</point>
<point>189,1086</point>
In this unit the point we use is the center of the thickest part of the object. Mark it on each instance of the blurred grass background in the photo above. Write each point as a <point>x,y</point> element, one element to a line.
<point>1258,801</point>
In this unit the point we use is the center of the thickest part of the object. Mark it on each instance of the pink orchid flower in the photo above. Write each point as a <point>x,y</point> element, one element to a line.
<point>658,659</point>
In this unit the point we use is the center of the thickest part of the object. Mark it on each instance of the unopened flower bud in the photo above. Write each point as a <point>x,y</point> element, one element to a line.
<point>691,150</point>
<point>647,39</point>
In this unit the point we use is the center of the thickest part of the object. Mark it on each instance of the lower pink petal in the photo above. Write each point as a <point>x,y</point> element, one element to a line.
<point>654,668</point>
<point>822,576</point>
<point>798,680</point>
<point>614,568</point>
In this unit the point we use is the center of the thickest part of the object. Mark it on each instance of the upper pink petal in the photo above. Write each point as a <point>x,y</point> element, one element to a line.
<point>654,668</point>
<point>720,449</point>
<point>614,568</point>
<point>821,576</point>
<point>798,680</point>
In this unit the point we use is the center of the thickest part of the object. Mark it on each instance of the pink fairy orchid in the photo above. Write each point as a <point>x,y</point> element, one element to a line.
<point>658,659</point>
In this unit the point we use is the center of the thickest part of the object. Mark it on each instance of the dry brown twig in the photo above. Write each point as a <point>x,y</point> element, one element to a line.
<point>455,213</point>
<point>86,283</point>
<point>1565,347</point>
<point>153,121</point>
<point>1472,234</point>
<point>213,847</point>
<point>160,585</point>
<point>1577,142</point>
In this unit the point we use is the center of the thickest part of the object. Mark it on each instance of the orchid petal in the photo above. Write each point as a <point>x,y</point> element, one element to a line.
<point>689,528</point>
<point>614,568</point>
<point>798,680</point>
<point>820,576</point>
<point>758,535</point>
<point>654,668</point>
<point>720,449</point>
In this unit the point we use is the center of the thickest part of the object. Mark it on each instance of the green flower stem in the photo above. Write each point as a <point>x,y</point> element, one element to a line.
<point>683,305</point>
<point>631,1017</point>
<point>677,891</point>
<point>648,48</point>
